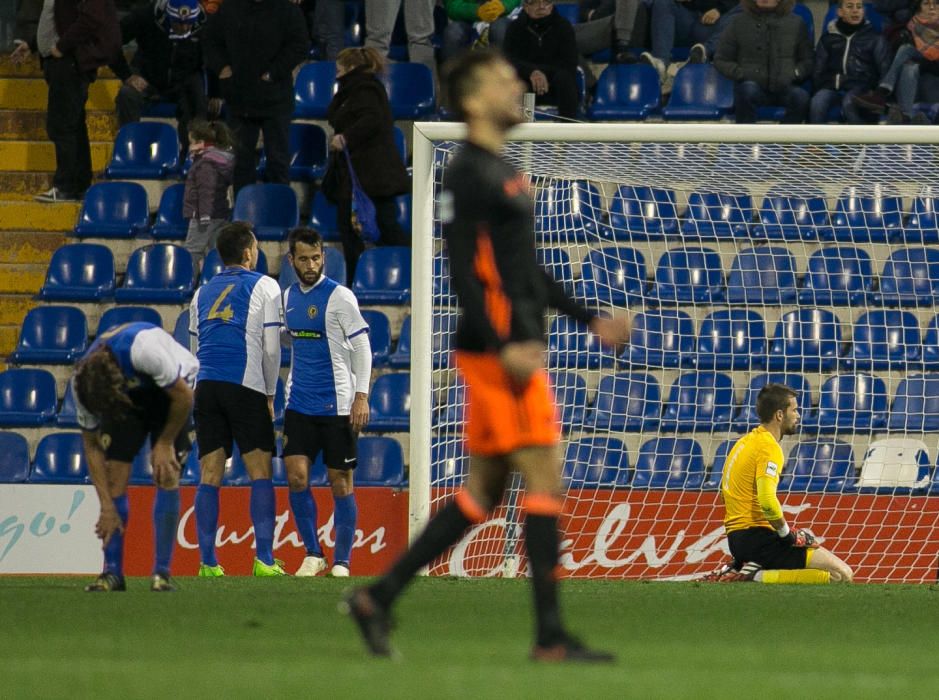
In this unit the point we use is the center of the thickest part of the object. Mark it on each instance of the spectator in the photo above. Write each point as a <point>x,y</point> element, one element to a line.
<point>850,58</point>
<point>380,17</point>
<point>541,45</point>
<point>360,116</point>
<point>767,52</point>
<point>686,22</point>
<point>326,24</point>
<point>896,14</point>
<point>73,38</point>
<point>205,198</point>
<point>253,47</point>
<point>467,16</point>
<point>616,24</point>
<point>167,64</point>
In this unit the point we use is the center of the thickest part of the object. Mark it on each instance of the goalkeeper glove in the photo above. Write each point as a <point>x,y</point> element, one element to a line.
<point>804,538</point>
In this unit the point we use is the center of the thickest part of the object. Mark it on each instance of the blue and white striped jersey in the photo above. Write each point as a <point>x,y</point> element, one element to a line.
<point>229,315</point>
<point>147,356</point>
<point>322,323</point>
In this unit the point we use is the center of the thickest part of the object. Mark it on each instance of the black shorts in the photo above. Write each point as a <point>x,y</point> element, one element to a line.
<point>308,435</point>
<point>122,438</point>
<point>764,547</point>
<point>225,412</point>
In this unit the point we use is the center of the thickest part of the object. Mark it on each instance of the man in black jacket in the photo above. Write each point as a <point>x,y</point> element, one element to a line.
<point>686,22</point>
<point>253,47</point>
<point>767,52</point>
<point>542,46</point>
<point>74,38</point>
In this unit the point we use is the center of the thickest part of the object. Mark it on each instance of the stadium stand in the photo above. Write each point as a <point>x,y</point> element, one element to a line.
<point>14,458</point>
<point>169,223</point>
<point>625,92</point>
<point>271,209</point>
<point>146,150</point>
<point>380,462</point>
<point>52,335</point>
<point>596,462</point>
<point>114,210</point>
<point>390,402</point>
<point>27,397</point>
<point>669,463</point>
<point>79,272</point>
<point>60,458</point>
<point>383,276</point>
<point>158,273</point>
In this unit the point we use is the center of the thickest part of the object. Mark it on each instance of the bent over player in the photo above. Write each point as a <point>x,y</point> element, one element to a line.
<point>511,423</point>
<point>135,382</point>
<point>327,396</point>
<point>757,531</point>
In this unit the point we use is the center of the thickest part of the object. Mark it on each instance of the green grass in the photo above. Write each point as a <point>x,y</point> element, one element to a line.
<point>242,637</point>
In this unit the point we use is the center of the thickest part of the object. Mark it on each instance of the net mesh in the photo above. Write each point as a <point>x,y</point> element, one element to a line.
<point>813,265</point>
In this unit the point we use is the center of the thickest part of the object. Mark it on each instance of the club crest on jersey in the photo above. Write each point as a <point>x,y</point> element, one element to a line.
<point>312,311</point>
<point>772,469</point>
<point>105,441</point>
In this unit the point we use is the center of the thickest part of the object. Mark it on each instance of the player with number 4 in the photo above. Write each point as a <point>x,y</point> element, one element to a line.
<point>235,321</point>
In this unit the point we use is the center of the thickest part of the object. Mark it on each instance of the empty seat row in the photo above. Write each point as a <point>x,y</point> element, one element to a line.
<point>60,458</point>
<point>572,210</point>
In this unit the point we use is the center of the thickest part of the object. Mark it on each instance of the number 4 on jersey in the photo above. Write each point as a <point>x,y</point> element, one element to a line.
<point>226,313</point>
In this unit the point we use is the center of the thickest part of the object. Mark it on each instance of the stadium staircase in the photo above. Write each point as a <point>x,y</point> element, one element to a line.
<point>31,231</point>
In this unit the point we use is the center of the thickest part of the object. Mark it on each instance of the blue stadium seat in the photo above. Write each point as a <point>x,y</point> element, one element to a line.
<point>568,211</point>
<point>915,406</point>
<point>555,260</point>
<point>114,210</point>
<point>568,11</point>
<point>688,275</point>
<point>287,275</point>
<point>930,353</point>
<point>383,276</point>
<point>669,463</point>
<point>119,315</point>
<point>699,402</point>
<point>380,463</point>
<point>158,273</point>
<point>323,217</point>
<point>642,213</point>
<point>144,151</point>
<point>762,275</point>
<point>910,278</point>
<point>717,215</point>
<point>401,357</point>
<point>27,397</point>
<point>447,415</point>
<point>629,402</point>
<point>806,14</point>
<point>595,462</point>
<point>67,417</point>
<point>862,217</point>
<point>849,403</point>
<point>699,93</point>
<point>716,472</point>
<point>181,329</point>
<point>379,336</point>
<point>52,335</point>
<point>335,263</point>
<point>14,458</point>
<point>410,88</point>
<point>309,153</point>
<point>401,144</point>
<point>747,418</point>
<point>570,397</point>
<point>79,272</point>
<point>313,89</point>
<point>731,339</point>
<point>169,223</point>
<point>661,338</point>
<point>840,276</point>
<point>819,466</point>
<point>60,458</point>
<point>571,346</point>
<point>625,92</point>
<point>271,209</point>
<point>884,339</point>
<point>921,226</point>
<point>212,265</point>
<point>612,276</point>
<point>448,462</point>
<point>806,340</point>
<point>792,217</point>
<point>390,402</point>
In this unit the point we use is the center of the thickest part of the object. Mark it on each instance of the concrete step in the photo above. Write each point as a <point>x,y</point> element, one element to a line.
<point>33,156</point>
<point>31,93</point>
<point>35,216</point>
<point>30,125</point>
<point>23,186</point>
<point>30,247</point>
<point>13,307</point>
<point>31,69</point>
<point>9,335</point>
<point>22,278</point>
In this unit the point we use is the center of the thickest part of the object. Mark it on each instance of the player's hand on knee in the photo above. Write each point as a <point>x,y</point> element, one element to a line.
<point>521,360</point>
<point>612,331</point>
<point>109,522</point>
<point>165,465</point>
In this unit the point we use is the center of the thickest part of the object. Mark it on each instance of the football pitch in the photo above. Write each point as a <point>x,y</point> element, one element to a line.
<point>272,638</point>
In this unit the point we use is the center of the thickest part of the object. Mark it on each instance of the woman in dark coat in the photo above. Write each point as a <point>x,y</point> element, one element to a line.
<point>361,119</point>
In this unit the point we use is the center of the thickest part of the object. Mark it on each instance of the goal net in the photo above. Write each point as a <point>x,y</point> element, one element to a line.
<point>807,256</point>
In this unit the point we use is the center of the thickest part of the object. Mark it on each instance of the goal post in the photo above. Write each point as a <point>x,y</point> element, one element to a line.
<point>745,254</point>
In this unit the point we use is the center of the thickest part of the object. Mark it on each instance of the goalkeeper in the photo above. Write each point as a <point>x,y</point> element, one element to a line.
<point>757,531</point>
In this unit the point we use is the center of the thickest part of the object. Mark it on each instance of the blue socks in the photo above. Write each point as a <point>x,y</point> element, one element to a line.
<point>262,515</point>
<point>165,519</point>
<point>114,552</point>
<point>207,522</point>
<point>304,514</point>
<point>344,518</point>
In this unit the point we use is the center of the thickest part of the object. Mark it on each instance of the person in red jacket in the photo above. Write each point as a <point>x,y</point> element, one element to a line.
<point>73,38</point>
